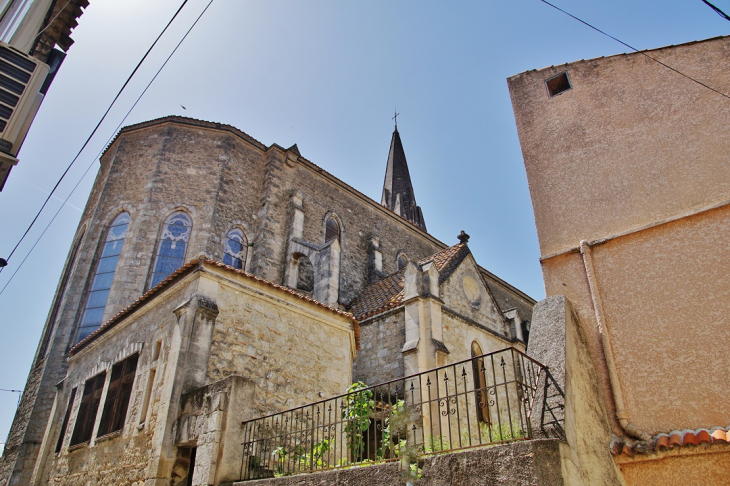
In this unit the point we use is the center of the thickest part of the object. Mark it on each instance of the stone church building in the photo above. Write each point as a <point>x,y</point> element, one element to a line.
<point>214,279</point>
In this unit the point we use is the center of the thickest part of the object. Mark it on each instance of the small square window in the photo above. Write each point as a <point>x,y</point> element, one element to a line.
<point>558,84</point>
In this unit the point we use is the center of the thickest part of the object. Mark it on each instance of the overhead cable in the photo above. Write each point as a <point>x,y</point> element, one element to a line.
<point>105,145</point>
<point>717,10</point>
<point>88,139</point>
<point>643,53</point>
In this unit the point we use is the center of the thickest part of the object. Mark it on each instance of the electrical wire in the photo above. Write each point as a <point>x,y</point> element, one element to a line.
<point>105,146</point>
<point>93,132</point>
<point>636,50</point>
<point>717,10</point>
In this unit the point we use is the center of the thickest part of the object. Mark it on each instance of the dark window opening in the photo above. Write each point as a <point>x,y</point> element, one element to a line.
<point>87,410</point>
<point>191,469</point>
<point>305,274</point>
<point>65,420</point>
<point>480,383</point>
<point>525,331</point>
<point>558,84</point>
<point>332,230</point>
<point>118,395</point>
<point>402,261</point>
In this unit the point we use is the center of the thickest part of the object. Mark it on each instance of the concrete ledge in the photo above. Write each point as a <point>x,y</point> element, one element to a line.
<point>525,463</point>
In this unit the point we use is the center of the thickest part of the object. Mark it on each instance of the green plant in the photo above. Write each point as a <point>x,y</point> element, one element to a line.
<point>299,459</point>
<point>356,411</point>
<point>392,439</point>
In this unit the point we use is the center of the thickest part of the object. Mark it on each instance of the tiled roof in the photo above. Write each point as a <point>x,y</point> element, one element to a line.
<point>671,440</point>
<point>387,293</point>
<point>186,269</point>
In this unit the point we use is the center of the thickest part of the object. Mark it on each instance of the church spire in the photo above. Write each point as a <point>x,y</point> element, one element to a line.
<point>398,193</point>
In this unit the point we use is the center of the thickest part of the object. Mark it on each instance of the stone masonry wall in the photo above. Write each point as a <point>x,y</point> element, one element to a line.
<point>293,357</point>
<point>528,463</point>
<point>380,358</point>
<point>360,221</point>
<point>222,178</point>
<point>273,341</point>
<point>481,308</point>
<point>119,457</point>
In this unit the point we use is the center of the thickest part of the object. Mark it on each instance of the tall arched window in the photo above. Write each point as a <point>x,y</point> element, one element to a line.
<point>234,253</point>
<point>402,260</point>
<point>103,277</point>
<point>173,244</point>
<point>480,383</point>
<point>331,229</point>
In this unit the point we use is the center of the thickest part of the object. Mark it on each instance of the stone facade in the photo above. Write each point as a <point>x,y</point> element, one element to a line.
<point>180,336</point>
<point>221,179</point>
<point>534,463</point>
<point>456,313</point>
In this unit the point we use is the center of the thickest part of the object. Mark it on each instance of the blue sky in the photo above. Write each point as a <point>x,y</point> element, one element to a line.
<point>326,75</point>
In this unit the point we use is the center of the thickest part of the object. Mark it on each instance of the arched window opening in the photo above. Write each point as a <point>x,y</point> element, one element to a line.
<point>480,383</point>
<point>305,274</point>
<point>332,230</point>
<point>401,260</point>
<point>103,277</point>
<point>234,253</point>
<point>173,244</point>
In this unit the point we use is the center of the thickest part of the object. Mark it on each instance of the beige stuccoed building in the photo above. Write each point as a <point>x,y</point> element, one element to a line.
<point>213,280</point>
<point>629,173</point>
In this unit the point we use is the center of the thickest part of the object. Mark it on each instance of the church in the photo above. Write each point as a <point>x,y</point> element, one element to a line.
<point>214,279</point>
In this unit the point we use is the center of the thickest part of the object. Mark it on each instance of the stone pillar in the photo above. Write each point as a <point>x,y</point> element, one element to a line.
<point>424,348</point>
<point>189,349</point>
<point>201,337</point>
<point>375,260</point>
<point>296,229</point>
<point>327,274</point>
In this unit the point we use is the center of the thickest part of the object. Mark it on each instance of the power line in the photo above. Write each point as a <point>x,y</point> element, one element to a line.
<point>93,132</point>
<point>643,53</point>
<point>717,10</point>
<point>20,395</point>
<point>108,141</point>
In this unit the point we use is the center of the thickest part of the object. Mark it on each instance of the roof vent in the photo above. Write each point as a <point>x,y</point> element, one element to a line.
<point>558,84</point>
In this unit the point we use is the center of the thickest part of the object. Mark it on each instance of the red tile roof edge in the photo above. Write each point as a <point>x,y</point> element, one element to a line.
<point>186,269</point>
<point>454,256</point>
<point>670,440</point>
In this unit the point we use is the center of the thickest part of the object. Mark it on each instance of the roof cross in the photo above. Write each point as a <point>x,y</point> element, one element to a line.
<point>395,117</point>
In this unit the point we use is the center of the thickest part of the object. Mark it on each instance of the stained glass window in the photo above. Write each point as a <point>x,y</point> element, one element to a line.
<point>103,277</point>
<point>173,244</point>
<point>234,253</point>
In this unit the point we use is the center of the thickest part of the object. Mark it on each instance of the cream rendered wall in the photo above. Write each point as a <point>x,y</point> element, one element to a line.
<point>634,160</point>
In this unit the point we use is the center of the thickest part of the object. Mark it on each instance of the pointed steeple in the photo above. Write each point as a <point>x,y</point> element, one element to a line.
<point>398,193</point>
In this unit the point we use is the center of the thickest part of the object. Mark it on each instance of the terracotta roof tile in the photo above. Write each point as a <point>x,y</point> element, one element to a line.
<point>186,269</point>
<point>671,440</point>
<point>387,293</point>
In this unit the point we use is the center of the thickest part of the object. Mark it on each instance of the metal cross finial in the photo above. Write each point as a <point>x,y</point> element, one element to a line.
<point>395,117</point>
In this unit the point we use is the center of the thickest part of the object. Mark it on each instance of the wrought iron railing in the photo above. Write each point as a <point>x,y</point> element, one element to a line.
<point>476,402</point>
